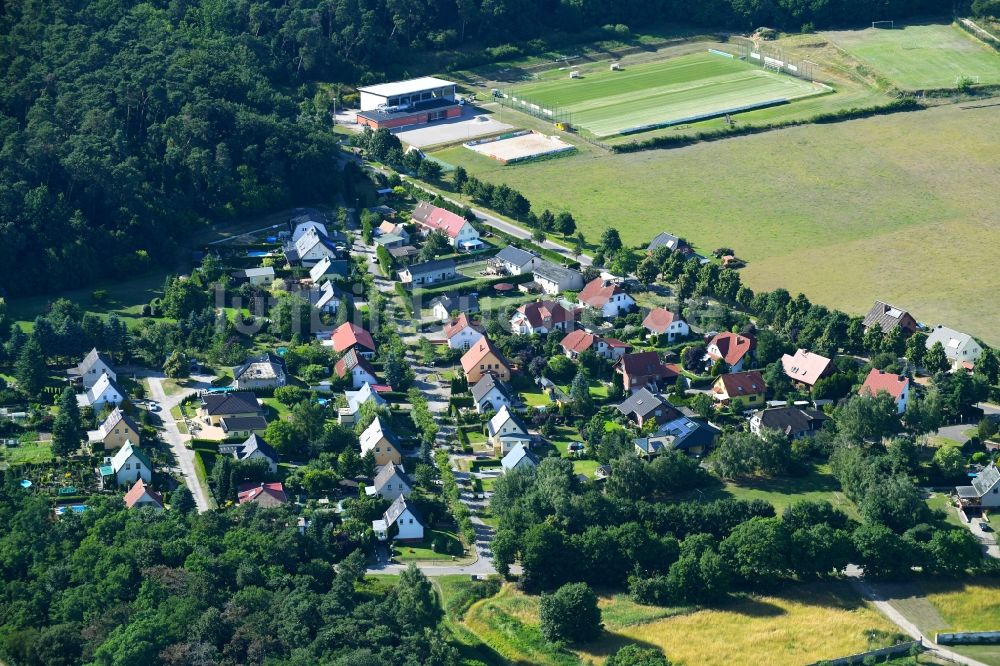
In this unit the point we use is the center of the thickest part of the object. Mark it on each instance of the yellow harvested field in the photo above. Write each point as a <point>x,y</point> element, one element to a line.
<point>971,606</point>
<point>809,623</point>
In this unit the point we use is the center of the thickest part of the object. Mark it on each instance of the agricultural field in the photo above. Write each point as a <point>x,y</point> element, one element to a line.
<point>917,57</point>
<point>845,213</point>
<point>806,624</point>
<point>672,91</point>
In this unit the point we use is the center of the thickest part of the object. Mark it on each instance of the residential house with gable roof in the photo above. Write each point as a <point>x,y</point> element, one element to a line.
<point>691,436</point>
<point>888,317</point>
<point>607,297</point>
<point>747,387</point>
<point>490,394</point>
<point>462,333</point>
<point>357,398</point>
<point>553,279</point>
<point>663,322</point>
<point>793,422</point>
<point>351,336</point>
<point>390,482</point>
<point>515,261</point>
<point>460,232</point>
<point>90,369</point>
<point>541,317</point>
<point>984,493</point>
<point>379,438</point>
<point>260,277</point>
<point>483,357</point>
<point>130,464</point>
<point>141,496</point>
<point>669,241</point>
<point>442,306</point>
<point>735,349</point>
<point>897,386</point>
<point>357,367</point>
<point>805,367</point>
<point>519,457</point>
<point>104,392</point>
<point>578,341</point>
<point>643,369</point>
<point>644,406</point>
<point>505,430</point>
<point>961,349</point>
<point>428,273</point>
<point>263,494</point>
<point>117,429</point>
<point>401,521</point>
<point>216,406</point>
<point>254,447</point>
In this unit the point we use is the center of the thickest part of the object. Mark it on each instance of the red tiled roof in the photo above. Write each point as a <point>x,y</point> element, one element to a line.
<point>349,334</point>
<point>545,313</point>
<point>614,342</point>
<point>578,341</point>
<point>732,347</point>
<point>737,384</point>
<point>659,320</point>
<point>136,492</point>
<point>457,324</point>
<point>877,381</point>
<point>478,351</point>
<point>598,292</point>
<point>805,367</point>
<point>438,219</point>
<point>253,492</point>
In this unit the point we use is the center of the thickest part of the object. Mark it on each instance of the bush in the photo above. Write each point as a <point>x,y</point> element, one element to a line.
<point>570,614</point>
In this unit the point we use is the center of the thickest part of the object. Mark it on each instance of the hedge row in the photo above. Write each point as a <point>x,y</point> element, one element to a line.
<point>900,105</point>
<point>463,288</point>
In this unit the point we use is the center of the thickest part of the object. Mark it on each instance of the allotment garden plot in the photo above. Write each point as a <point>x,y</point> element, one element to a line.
<point>682,89</point>
<point>917,57</point>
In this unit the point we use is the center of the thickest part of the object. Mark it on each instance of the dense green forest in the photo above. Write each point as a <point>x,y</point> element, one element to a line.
<point>115,586</point>
<point>126,124</point>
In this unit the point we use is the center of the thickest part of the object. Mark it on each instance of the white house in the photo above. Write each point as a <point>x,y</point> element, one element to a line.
<point>518,457</point>
<point>428,273</point>
<point>357,398</point>
<point>90,369</point>
<point>491,394</point>
<point>104,392</point>
<point>460,232</point>
<point>897,386</point>
<point>984,493</point>
<point>515,261</point>
<point>606,296</point>
<point>260,277</point>
<point>302,228</point>
<point>442,306</point>
<point>461,333</point>
<point>553,279</point>
<point>129,465</point>
<point>506,430</point>
<point>390,483</point>
<point>357,366</point>
<point>313,246</point>
<point>960,348</point>
<point>325,298</point>
<point>661,321</point>
<point>401,515</point>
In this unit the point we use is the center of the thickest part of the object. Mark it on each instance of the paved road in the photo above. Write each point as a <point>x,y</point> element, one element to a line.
<point>871,593</point>
<point>172,434</point>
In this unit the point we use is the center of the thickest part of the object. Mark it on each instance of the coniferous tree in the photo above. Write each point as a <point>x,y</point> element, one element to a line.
<point>67,429</point>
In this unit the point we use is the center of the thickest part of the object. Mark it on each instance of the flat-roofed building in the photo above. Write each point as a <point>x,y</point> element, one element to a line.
<point>410,102</point>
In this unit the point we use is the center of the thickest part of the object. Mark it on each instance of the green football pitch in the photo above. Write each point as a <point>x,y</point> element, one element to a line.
<point>677,90</point>
<point>922,56</point>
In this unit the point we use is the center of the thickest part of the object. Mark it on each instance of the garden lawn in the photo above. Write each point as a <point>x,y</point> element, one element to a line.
<point>918,57</point>
<point>585,467</point>
<point>840,212</point>
<point>422,551</point>
<point>27,452</point>
<point>818,485</point>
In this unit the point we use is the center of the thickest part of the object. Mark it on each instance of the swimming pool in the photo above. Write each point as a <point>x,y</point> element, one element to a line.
<point>220,389</point>
<point>258,254</point>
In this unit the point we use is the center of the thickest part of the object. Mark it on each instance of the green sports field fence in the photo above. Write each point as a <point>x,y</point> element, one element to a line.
<point>510,98</point>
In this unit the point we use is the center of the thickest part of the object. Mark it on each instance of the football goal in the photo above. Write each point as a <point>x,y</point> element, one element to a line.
<point>884,24</point>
